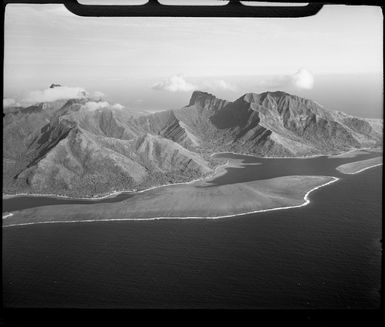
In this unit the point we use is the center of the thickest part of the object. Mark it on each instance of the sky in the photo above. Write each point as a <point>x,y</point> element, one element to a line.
<point>170,57</point>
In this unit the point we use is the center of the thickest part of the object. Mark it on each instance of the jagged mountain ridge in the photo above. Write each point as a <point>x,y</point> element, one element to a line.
<point>64,148</point>
<point>276,124</point>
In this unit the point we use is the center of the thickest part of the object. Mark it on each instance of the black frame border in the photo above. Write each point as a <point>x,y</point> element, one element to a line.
<point>112,317</point>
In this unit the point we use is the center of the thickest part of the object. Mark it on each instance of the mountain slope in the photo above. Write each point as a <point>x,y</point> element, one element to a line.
<point>276,124</point>
<point>78,152</point>
<point>69,147</point>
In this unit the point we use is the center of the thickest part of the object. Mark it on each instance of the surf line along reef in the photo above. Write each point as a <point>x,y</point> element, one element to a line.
<point>193,200</point>
<point>214,203</point>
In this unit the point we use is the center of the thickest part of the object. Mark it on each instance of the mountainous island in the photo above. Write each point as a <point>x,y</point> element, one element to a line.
<point>66,148</point>
<point>71,148</point>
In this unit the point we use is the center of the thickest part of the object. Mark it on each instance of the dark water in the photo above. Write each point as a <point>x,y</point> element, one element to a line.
<point>324,255</point>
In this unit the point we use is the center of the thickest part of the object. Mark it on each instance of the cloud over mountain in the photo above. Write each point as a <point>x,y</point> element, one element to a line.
<point>301,79</point>
<point>96,99</point>
<point>97,95</point>
<point>175,83</point>
<point>9,102</point>
<point>94,105</point>
<point>55,93</point>
<point>220,84</point>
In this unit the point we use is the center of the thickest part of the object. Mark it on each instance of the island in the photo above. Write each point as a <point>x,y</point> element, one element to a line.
<point>74,149</point>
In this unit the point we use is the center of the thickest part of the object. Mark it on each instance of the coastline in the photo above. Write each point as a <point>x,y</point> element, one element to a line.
<point>299,157</point>
<point>305,198</point>
<point>356,167</point>
<point>259,157</point>
<point>218,171</point>
<point>363,169</point>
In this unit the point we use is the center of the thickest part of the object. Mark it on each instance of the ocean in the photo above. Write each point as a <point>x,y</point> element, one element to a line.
<point>324,255</point>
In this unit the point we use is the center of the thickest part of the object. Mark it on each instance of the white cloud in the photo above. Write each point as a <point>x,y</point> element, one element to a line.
<point>220,84</point>
<point>303,79</point>
<point>95,99</point>
<point>97,95</point>
<point>117,106</point>
<point>56,93</point>
<point>96,105</point>
<point>175,83</point>
<point>9,102</point>
<point>93,105</point>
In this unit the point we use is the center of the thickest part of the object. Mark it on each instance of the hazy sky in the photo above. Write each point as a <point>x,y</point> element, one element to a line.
<point>47,43</point>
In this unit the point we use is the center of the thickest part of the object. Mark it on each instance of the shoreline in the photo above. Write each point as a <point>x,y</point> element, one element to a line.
<point>259,157</point>
<point>355,167</point>
<point>297,157</point>
<point>218,171</point>
<point>363,169</point>
<point>306,202</point>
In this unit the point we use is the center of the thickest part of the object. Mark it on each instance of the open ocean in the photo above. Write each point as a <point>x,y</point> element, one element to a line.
<point>324,255</point>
